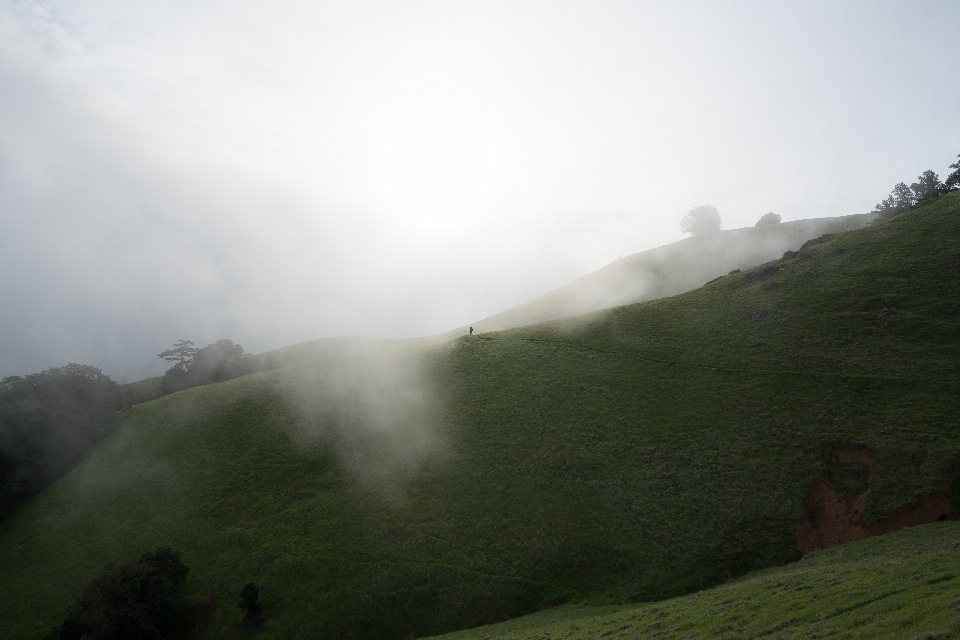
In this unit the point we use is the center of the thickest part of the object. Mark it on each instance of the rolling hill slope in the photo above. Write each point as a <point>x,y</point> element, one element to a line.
<point>903,585</point>
<point>656,273</point>
<point>668,270</point>
<point>630,454</point>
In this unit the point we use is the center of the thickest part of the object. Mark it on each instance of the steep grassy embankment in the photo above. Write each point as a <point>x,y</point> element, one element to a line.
<point>635,453</point>
<point>902,585</point>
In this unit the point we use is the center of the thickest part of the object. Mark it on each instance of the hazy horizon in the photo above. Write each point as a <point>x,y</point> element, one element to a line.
<point>274,173</point>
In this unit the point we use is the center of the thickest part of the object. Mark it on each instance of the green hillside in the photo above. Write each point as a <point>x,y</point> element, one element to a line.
<point>902,585</point>
<point>668,270</point>
<point>635,453</point>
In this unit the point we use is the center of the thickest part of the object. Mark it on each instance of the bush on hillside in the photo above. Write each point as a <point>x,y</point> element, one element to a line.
<point>222,360</point>
<point>701,220</point>
<point>762,272</point>
<point>142,599</point>
<point>49,421</point>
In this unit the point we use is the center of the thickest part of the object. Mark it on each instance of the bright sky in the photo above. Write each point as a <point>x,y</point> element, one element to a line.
<point>279,171</point>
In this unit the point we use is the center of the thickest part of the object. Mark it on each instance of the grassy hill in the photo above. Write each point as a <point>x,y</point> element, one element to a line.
<point>668,270</point>
<point>903,585</point>
<point>631,454</point>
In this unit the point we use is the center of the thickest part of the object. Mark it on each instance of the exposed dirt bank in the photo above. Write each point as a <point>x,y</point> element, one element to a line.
<point>836,503</point>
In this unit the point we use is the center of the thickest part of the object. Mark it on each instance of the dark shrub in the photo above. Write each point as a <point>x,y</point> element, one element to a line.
<point>815,241</point>
<point>762,272</point>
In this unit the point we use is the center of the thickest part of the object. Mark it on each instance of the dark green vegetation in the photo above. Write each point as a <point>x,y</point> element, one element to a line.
<point>926,189</point>
<point>223,360</point>
<point>48,422</point>
<point>636,453</point>
<point>901,585</point>
<point>142,599</point>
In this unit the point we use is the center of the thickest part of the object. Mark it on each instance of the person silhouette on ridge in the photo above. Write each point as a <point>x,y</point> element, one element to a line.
<point>471,330</point>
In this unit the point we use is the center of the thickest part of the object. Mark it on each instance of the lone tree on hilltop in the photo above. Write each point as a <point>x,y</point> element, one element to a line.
<point>768,218</point>
<point>701,220</point>
<point>182,352</point>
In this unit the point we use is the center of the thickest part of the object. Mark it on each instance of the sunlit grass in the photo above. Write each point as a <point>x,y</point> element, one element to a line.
<point>900,585</point>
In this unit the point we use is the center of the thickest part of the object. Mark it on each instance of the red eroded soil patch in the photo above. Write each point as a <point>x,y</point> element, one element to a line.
<point>836,503</point>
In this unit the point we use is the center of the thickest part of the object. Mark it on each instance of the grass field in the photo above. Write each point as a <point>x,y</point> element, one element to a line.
<point>636,453</point>
<point>900,585</point>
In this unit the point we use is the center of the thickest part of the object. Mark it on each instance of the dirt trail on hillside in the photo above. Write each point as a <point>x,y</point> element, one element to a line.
<point>837,500</point>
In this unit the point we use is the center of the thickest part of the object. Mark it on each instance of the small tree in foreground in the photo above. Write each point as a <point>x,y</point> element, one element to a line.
<point>250,603</point>
<point>768,218</point>
<point>701,220</point>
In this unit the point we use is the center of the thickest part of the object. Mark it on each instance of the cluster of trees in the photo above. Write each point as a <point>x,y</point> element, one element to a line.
<point>145,599</point>
<point>142,599</point>
<point>926,188</point>
<point>49,421</point>
<point>193,367</point>
<point>706,219</point>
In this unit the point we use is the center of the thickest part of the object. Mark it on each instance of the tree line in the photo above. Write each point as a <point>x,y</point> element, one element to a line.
<point>926,188</point>
<point>49,421</point>
<point>705,219</point>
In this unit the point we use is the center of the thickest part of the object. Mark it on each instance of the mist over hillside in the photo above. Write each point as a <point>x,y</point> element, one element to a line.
<point>395,489</point>
<point>656,273</point>
<point>669,270</point>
